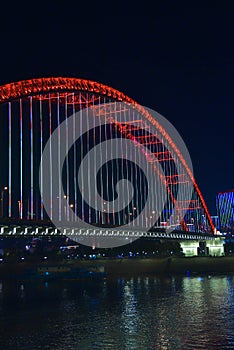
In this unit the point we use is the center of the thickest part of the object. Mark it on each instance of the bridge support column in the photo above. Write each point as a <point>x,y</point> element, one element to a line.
<point>210,247</point>
<point>189,247</point>
<point>215,247</point>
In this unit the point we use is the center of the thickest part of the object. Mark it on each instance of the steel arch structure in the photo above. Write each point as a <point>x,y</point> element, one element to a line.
<point>30,110</point>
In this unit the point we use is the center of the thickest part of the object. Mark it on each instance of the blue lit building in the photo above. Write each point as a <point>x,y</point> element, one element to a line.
<point>225,210</point>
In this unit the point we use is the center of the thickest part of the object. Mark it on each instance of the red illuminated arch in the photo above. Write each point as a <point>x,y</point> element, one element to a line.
<point>31,87</point>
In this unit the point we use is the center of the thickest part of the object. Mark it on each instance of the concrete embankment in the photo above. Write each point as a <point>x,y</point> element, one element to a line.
<point>130,266</point>
<point>133,266</point>
<point>166,265</point>
<point>201,265</point>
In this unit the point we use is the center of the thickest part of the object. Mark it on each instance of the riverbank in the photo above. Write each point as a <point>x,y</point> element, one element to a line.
<point>171,265</point>
<point>130,266</point>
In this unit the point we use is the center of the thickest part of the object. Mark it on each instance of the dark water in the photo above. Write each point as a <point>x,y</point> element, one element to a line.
<point>119,313</point>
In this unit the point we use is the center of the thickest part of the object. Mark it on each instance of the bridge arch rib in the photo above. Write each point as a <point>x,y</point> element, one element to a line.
<point>42,87</point>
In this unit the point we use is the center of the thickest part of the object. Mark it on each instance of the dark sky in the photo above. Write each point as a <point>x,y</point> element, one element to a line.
<point>177,61</point>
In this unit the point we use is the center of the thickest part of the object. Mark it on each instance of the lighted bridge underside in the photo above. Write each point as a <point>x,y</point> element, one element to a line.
<point>79,233</point>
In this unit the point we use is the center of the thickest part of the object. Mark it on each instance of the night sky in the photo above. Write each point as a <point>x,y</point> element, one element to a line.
<point>178,61</point>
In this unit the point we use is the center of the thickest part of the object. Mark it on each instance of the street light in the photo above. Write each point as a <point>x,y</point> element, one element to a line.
<point>72,206</point>
<point>2,199</point>
<point>19,206</point>
<point>66,212</point>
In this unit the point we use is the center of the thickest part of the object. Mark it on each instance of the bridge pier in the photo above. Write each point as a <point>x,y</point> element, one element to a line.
<point>189,247</point>
<point>216,247</point>
<point>207,247</point>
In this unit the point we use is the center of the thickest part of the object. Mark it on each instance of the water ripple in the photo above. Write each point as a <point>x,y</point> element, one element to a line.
<point>137,313</point>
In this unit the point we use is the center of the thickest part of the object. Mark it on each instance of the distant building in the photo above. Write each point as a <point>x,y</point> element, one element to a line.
<point>225,210</point>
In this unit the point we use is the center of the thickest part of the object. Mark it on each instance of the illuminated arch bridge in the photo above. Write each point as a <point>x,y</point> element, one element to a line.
<point>31,110</point>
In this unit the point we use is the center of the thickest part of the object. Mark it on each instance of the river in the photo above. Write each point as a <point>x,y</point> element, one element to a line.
<point>138,312</point>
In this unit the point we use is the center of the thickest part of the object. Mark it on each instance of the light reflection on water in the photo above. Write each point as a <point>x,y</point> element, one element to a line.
<point>119,313</point>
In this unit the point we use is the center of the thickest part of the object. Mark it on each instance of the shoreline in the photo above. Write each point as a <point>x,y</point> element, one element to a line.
<point>133,266</point>
<point>167,266</point>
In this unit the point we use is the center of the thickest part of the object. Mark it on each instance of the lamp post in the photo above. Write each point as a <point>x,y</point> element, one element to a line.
<point>65,207</point>
<point>72,206</point>
<point>19,207</point>
<point>2,199</point>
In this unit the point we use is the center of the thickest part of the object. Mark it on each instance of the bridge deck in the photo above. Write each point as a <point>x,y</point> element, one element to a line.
<point>9,229</point>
